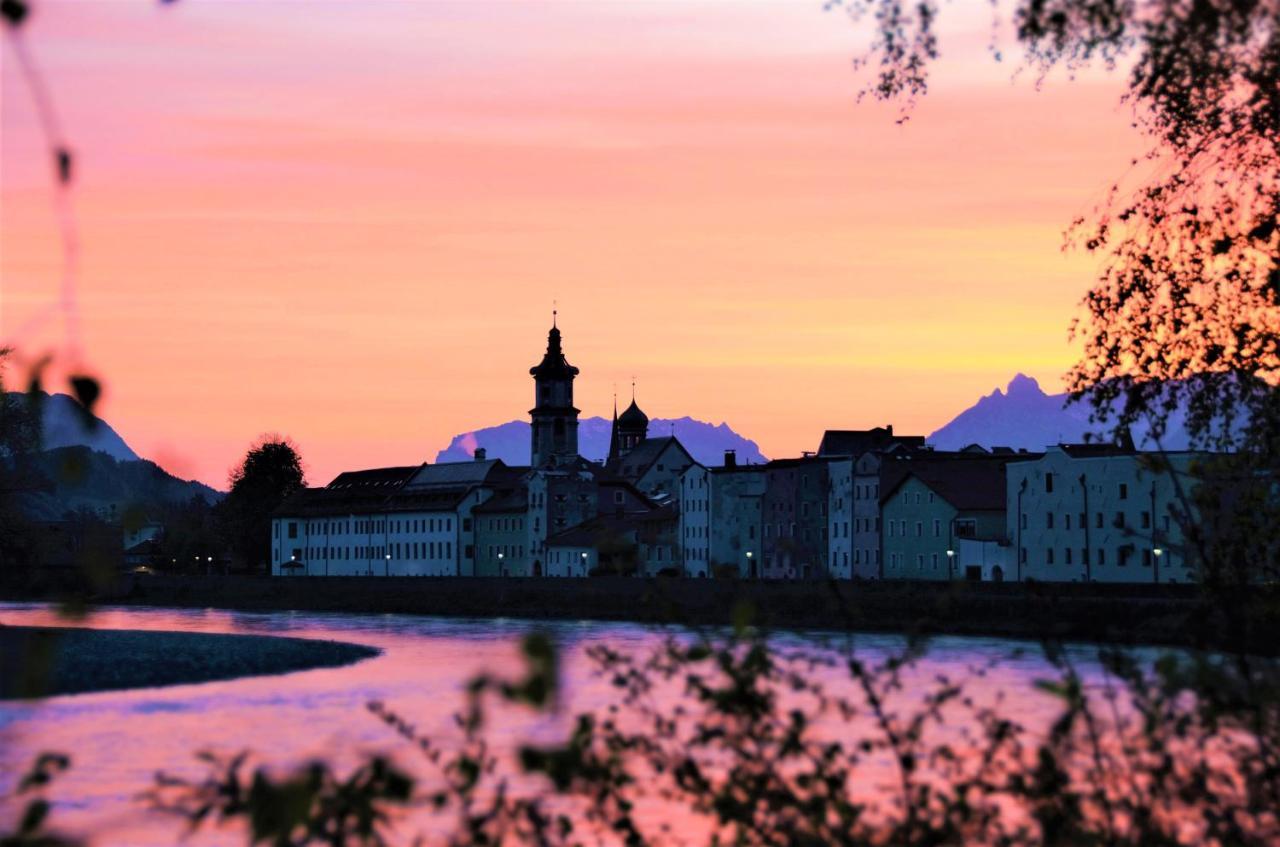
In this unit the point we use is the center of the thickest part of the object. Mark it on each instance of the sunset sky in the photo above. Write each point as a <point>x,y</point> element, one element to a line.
<point>347,222</point>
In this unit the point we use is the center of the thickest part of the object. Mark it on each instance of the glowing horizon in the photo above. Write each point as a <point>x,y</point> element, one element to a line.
<point>349,227</point>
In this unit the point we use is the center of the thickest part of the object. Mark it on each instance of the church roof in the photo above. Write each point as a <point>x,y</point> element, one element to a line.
<point>637,462</point>
<point>553,365</point>
<point>633,418</point>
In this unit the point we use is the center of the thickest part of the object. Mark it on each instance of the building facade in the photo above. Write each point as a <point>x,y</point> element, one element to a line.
<point>1100,513</point>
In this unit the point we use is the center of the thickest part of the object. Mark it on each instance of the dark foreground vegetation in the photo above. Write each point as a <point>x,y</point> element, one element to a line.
<point>46,661</point>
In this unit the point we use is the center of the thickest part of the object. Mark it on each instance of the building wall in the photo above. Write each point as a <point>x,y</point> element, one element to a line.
<point>840,512</point>
<point>502,544</point>
<point>570,560</point>
<point>737,509</point>
<point>916,525</point>
<point>663,476</point>
<point>795,520</point>
<point>395,544</point>
<point>1104,528</point>
<point>984,560</point>
<point>866,543</point>
<point>695,520</point>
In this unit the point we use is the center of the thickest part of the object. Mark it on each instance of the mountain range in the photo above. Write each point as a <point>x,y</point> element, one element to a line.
<point>1024,416</point>
<point>83,463</point>
<point>706,442</point>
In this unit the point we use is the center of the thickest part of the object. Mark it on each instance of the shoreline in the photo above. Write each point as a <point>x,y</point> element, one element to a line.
<point>1147,615</point>
<point>52,661</point>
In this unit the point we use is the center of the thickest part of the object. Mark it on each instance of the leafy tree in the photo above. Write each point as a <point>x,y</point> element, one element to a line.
<point>271,471</point>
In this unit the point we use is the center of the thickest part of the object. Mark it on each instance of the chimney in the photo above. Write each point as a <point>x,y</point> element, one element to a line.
<point>480,454</point>
<point>730,458</point>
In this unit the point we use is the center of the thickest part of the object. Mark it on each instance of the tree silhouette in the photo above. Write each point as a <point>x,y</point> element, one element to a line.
<point>271,471</point>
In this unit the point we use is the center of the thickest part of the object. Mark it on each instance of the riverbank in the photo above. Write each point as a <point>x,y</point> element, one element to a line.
<point>47,661</point>
<point>1174,615</point>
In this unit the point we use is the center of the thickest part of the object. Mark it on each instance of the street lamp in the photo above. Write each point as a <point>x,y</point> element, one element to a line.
<point>1157,553</point>
<point>500,568</point>
<point>751,571</point>
<point>951,554</point>
<point>388,565</point>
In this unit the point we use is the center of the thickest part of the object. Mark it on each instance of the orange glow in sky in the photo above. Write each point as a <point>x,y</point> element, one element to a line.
<point>347,222</point>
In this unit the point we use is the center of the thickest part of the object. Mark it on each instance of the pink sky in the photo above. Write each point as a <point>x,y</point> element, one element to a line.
<point>346,222</point>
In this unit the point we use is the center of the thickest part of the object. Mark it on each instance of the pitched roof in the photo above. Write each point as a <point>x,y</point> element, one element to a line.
<point>644,455</point>
<point>855,442</point>
<point>503,502</point>
<point>973,482</point>
<point>374,478</point>
<point>459,473</point>
<point>590,532</point>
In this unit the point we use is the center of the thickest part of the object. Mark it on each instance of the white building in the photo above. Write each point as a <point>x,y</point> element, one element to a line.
<point>695,520</point>
<point>402,521</point>
<point>1099,513</point>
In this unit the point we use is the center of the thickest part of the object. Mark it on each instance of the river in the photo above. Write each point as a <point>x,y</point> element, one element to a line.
<point>119,740</point>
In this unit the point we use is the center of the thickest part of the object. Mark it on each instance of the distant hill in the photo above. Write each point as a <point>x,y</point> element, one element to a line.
<point>1023,415</point>
<point>510,441</point>
<point>63,423</point>
<point>68,479</point>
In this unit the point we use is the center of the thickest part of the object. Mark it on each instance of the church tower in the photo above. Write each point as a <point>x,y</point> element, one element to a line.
<point>555,420</point>
<point>631,428</point>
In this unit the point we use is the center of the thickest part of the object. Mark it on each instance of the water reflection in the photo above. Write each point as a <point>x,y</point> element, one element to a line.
<point>119,740</point>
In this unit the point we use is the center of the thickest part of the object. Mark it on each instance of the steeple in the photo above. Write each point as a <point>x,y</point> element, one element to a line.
<point>633,426</point>
<point>554,418</point>
<point>613,430</point>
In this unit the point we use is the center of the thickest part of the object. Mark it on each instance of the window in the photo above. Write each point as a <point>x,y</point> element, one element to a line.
<point>466,524</point>
<point>1048,483</point>
<point>966,528</point>
<point>1098,521</point>
<point>1048,556</point>
<point>1066,555</point>
<point>935,561</point>
<point>1146,558</point>
<point>617,497</point>
<point>1067,518</point>
<point>1146,520</point>
<point>1124,491</point>
<point>1118,520</point>
<point>919,529</point>
<point>1102,556</point>
<point>293,529</point>
<point>937,528</point>
<point>1048,520</point>
<point>1122,555</point>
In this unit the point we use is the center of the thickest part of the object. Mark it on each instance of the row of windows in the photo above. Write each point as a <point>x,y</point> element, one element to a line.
<point>1122,490</point>
<point>414,550</point>
<point>506,550</point>
<point>696,531</point>
<point>366,526</point>
<point>866,492</point>
<point>505,524</point>
<point>1118,520</point>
